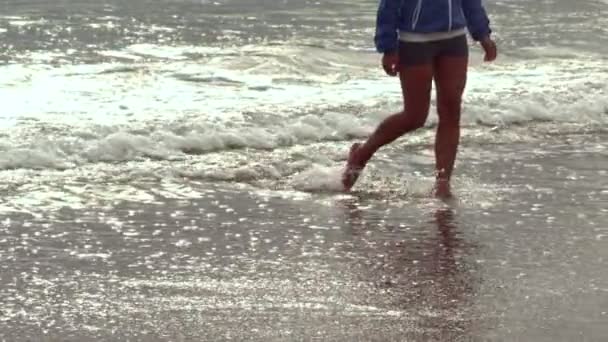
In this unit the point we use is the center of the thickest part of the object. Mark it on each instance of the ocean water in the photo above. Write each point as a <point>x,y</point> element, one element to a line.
<point>169,171</point>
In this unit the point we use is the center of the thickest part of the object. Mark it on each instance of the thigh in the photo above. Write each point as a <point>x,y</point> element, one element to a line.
<point>416,75</point>
<point>416,85</point>
<point>450,68</point>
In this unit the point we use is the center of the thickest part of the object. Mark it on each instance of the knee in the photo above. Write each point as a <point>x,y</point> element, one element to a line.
<point>419,122</point>
<point>450,103</point>
<point>414,119</point>
<point>449,121</point>
<point>449,109</point>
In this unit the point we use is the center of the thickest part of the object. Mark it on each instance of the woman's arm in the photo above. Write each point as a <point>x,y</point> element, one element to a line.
<point>386,37</point>
<point>478,22</point>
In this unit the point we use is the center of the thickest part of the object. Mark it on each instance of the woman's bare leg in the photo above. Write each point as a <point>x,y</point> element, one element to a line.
<point>450,82</point>
<point>416,83</point>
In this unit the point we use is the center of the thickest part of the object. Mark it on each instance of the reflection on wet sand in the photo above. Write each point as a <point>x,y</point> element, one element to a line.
<point>423,269</point>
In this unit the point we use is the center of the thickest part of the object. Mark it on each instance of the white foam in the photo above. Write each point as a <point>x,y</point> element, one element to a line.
<point>121,55</point>
<point>333,126</point>
<point>319,178</point>
<point>549,90</point>
<point>122,146</point>
<point>194,142</point>
<point>549,51</point>
<point>252,172</point>
<point>575,104</point>
<point>31,158</point>
<point>83,114</point>
<point>157,51</point>
<point>107,143</point>
<point>256,171</point>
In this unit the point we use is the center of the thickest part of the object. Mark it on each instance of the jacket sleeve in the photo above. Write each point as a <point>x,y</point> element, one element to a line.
<point>478,23</point>
<point>387,21</point>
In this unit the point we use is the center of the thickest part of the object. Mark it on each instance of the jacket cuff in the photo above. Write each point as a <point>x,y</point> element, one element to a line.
<point>387,49</point>
<point>481,35</point>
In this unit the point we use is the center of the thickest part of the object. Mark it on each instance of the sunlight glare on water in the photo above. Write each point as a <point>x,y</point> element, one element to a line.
<point>171,171</point>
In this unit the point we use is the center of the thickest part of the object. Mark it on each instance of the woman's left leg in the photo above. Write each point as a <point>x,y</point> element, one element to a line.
<point>450,81</point>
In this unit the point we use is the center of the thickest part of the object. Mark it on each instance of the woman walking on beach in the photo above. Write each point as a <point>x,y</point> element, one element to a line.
<point>422,41</point>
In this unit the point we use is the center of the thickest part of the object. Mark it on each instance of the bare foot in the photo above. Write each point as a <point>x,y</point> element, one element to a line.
<point>353,168</point>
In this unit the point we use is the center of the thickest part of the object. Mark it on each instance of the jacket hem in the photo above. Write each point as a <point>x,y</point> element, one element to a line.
<point>429,37</point>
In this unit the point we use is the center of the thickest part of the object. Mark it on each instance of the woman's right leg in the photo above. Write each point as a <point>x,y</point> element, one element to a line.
<point>416,82</point>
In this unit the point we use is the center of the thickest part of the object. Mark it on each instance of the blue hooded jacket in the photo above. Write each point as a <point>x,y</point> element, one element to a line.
<point>428,16</point>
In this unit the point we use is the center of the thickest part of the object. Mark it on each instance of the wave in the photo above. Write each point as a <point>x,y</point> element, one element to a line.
<point>65,151</point>
<point>258,98</point>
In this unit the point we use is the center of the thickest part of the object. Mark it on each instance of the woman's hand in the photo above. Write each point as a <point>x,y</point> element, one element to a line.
<point>489,46</point>
<point>390,63</point>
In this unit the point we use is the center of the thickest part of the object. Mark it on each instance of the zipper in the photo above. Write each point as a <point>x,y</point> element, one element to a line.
<point>450,15</point>
<point>416,14</point>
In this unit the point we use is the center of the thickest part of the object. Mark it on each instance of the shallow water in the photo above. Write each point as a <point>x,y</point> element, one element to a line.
<point>508,260</point>
<point>170,171</point>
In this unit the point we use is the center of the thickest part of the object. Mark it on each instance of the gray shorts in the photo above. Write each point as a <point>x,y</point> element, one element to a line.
<point>417,53</point>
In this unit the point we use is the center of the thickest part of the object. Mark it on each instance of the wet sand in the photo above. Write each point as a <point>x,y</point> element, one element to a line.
<point>525,261</point>
<point>168,172</point>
